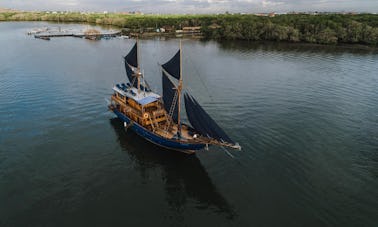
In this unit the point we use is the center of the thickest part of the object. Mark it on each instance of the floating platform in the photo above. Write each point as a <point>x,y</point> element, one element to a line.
<point>78,35</point>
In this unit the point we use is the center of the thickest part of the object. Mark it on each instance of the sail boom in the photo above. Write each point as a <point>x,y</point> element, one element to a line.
<point>211,141</point>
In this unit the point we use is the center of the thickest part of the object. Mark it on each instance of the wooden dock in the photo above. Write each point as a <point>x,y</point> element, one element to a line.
<point>78,35</point>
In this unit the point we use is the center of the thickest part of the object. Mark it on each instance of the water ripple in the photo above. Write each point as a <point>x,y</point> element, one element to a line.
<point>306,117</point>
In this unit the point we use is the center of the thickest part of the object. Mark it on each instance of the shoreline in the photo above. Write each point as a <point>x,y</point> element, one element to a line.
<point>328,29</point>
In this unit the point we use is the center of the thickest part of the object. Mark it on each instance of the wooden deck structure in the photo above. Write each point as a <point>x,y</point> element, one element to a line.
<point>152,116</point>
<point>78,35</point>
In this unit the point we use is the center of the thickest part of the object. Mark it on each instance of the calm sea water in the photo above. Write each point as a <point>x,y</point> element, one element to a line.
<point>306,117</point>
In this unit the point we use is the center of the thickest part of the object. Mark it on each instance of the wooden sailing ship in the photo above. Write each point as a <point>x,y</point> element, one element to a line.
<point>157,118</point>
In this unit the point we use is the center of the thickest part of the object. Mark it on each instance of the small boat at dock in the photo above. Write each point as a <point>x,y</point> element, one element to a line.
<point>42,37</point>
<point>157,118</point>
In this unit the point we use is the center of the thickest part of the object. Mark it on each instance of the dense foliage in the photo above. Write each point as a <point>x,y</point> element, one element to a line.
<point>324,28</point>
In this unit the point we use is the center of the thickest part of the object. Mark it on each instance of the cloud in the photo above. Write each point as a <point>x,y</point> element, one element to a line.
<point>270,3</point>
<point>195,6</point>
<point>69,2</point>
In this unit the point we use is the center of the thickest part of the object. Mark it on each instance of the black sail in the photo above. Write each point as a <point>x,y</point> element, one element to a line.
<point>169,92</point>
<point>129,73</point>
<point>132,57</point>
<point>202,122</point>
<point>131,60</point>
<point>173,66</point>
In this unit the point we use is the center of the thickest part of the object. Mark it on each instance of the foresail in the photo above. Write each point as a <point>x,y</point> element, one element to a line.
<point>132,57</point>
<point>169,97</point>
<point>131,63</point>
<point>202,122</point>
<point>173,66</point>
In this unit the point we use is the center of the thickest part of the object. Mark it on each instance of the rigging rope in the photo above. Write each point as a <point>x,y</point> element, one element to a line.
<point>200,79</point>
<point>208,94</point>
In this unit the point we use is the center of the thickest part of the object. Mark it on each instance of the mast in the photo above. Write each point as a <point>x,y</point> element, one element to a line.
<point>172,91</point>
<point>138,67</point>
<point>179,88</point>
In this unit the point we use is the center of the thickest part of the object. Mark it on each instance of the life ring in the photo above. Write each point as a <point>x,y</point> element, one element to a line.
<point>145,115</point>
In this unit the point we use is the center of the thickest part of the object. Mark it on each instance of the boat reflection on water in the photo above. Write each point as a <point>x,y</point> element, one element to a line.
<point>184,176</point>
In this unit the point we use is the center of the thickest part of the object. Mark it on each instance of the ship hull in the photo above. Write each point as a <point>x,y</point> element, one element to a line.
<point>170,144</point>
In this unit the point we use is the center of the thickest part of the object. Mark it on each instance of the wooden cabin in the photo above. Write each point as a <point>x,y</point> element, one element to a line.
<point>144,108</point>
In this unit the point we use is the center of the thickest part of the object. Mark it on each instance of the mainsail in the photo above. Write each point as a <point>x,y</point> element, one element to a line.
<point>170,97</point>
<point>202,122</point>
<point>199,119</point>
<point>170,91</point>
<point>131,61</point>
<point>172,67</point>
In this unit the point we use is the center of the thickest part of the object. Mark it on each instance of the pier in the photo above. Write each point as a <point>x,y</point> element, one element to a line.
<point>78,35</point>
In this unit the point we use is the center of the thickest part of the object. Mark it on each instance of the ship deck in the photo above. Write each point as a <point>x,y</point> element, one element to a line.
<point>163,127</point>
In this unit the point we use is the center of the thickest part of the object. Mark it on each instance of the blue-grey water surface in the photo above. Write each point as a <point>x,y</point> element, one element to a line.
<point>305,115</point>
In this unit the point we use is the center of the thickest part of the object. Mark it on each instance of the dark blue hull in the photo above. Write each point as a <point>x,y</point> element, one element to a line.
<point>158,140</point>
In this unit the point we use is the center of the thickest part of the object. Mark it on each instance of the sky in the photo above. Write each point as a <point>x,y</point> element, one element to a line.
<point>195,6</point>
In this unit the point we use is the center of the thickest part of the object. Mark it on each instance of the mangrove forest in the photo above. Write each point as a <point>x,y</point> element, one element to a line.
<point>309,28</point>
